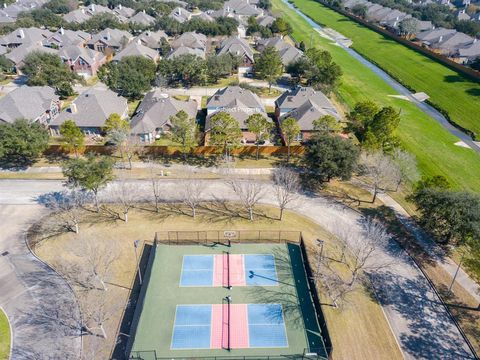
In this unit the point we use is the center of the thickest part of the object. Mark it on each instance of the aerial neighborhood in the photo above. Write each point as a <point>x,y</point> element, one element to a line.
<point>239,179</point>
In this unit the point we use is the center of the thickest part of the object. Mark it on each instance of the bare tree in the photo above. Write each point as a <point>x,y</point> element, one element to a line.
<point>191,193</point>
<point>249,193</point>
<point>380,171</point>
<point>359,255</point>
<point>67,207</point>
<point>407,165</point>
<point>287,185</point>
<point>130,147</point>
<point>126,193</point>
<point>155,184</point>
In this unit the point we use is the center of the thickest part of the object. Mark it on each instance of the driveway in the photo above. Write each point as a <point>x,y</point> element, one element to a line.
<point>39,304</point>
<point>417,318</point>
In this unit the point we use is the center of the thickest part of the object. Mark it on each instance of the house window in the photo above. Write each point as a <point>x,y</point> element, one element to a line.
<point>299,137</point>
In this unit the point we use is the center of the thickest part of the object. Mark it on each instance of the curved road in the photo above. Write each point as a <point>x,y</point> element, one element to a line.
<point>420,324</point>
<point>40,306</point>
<point>427,109</point>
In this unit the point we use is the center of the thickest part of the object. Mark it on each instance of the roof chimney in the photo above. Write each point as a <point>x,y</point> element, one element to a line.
<point>21,34</point>
<point>92,7</point>
<point>62,32</point>
<point>119,6</point>
<point>440,39</point>
<point>73,108</point>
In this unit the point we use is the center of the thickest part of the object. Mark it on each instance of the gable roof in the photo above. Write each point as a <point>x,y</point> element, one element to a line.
<point>180,14</point>
<point>110,37</point>
<point>124,11</point>
<point>241,7</point>
<point>152,38</point>
<point>142,18</point>
<point>225,97</point>
<point>288,53</point>
<point>307,113</point>
<point>185,50</point>
<point>265,20</point>
<point>27,102</point>
<point>236,46</point>
<point>454,42</point>
<point>155,110</point>
<point>432,36</point>
<point>295,98</point>
<point>25,36</point>
<point>19,54</point>
<point>470,51</point>
<point>73,52</point>
<point>135,48</point>
<point>93,107</point>
<point>65,37</point>
<point>190,39</point>
<point>77,16</point>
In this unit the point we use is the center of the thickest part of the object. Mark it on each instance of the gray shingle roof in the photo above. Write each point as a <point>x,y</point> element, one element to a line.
<point>111,37</point>
<point>64,37</point>
<point>236,46</point>
<point>180,14</point>
<point>73,52</point>
<point>190,39</point>
<point>155,111</point>
<point>240,7</point>
<point>151,38</point>
<point>27,102</point>
<point>136,49</point>
<point>265,20</point>
<point>19,54</point>
<point>307,113</point>
<point>142,19</point>
<point>184,50</point>
<point>76,16</point>
<point>298,96</point>
<point>288,53</point>
<point>224,98</point>
<point>239,111</point>
<point>124,11</point>
<point>470,51</point>
<point>25,36</point>
<point>93,106</point>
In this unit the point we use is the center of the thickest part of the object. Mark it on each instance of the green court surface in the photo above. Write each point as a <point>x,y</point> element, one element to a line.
<point>152,338</point>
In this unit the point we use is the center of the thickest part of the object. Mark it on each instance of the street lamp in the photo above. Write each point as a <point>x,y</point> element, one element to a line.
<point>135,246</point>
<point>456,273</point>
<point>319,259</point>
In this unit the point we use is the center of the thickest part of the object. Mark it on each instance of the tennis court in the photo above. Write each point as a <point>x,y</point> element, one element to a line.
<point>225,301</point>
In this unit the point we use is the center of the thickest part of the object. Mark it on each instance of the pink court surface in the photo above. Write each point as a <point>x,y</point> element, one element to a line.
<point>238,330</point>
<point>229,270</point>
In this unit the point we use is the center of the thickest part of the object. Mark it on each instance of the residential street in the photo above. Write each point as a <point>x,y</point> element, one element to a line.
<point>418,320</point>
<point>40,306</point>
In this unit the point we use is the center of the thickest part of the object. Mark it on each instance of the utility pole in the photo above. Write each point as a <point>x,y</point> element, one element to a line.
<point>135,245</point>
<point>320,243</point>
<point>456,273</point>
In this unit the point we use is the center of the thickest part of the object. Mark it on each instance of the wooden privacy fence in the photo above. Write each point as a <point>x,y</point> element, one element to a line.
<point>157,150</point>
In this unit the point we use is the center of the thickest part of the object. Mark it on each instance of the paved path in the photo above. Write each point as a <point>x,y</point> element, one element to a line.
<point>427,109</point>
<point>39,304</point>
<point>435,251</point>
<point>419,322</point>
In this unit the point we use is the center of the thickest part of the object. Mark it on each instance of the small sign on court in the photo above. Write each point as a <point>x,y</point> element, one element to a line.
<point>230,234</point>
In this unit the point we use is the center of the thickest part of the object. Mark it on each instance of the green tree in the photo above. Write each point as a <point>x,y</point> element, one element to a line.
<point>225,131</point>
<point>92,174</point>
<point>48,69</point>
<point>61,6</point>
<point>409,27</point>
<point>280,26</point>
<point>268,65</point>
<point>323,73</point>
<point>450,216</point>
<point>261,127</point>
<point>73,139</point>
<point>115,123</point>
<point>184,131</point>
<point>21,142</point>
<point>290,130</point>
<point>327,124</point>
<point>360,10</point>
<point>331,157</point>
<point>131,77</point>
<point>438,182</point>
<point>188,70</point>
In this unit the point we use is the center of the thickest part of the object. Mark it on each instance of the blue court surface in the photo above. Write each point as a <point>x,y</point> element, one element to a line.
<point>266,326</point>
<point>192,327</point>
<point>197,270</point>
<point>260,270</point>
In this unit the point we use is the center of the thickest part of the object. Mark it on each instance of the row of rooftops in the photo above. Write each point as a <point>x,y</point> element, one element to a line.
<point>449,42</point>
<point>92,107</point>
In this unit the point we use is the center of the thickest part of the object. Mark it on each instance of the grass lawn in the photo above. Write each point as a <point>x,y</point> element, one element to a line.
<point>358,331</point>
<point>4,337</point>
<point>446,87</point>
<point>430,142</point>
<point>132,106</point>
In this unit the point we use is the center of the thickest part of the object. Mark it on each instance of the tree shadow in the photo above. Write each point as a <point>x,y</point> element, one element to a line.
<point>473,91</point>
<point>454,78</point>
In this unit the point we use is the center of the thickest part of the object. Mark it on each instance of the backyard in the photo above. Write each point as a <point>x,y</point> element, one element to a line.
<point>4,337</point>
<point>432,145</point>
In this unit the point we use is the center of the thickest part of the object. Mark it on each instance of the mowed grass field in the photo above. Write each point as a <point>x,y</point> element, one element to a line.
<point>4,337</point>
<point>432,145</point>
<point>454,92</point>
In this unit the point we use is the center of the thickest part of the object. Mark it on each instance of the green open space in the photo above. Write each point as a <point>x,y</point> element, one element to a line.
<point>5,337</point>
<point>458,94</point>
<point>433,146</point>
<point>163,294</point>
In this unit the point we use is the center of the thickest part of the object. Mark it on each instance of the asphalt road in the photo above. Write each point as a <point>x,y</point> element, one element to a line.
<point>418,321</point>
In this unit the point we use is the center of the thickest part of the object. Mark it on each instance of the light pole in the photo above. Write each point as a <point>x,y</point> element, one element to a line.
<point>456,273</point>
<point>135,245</point>
<point>319,259</point>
